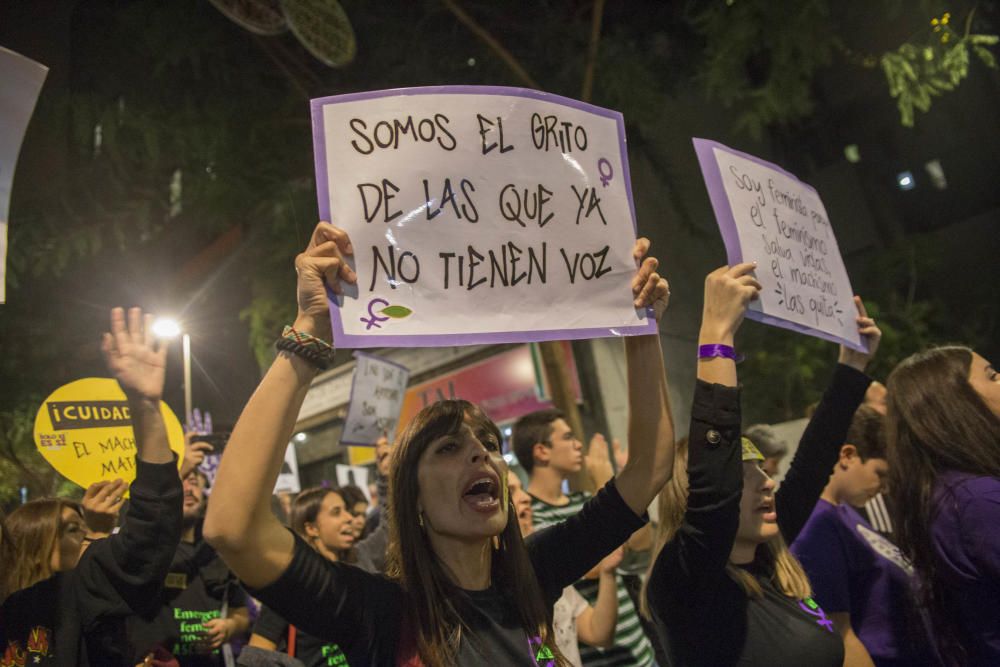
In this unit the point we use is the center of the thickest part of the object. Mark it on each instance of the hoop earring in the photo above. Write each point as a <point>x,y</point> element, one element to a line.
<point>420,519</point>
<point>496,543</point>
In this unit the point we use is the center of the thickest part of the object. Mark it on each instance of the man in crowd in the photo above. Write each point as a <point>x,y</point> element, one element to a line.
<point>202,606</point>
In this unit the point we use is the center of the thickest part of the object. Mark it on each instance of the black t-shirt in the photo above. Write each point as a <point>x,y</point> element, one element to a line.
<point>363,612</point>
<point>311,651</point>
<point>496,636</point>
<point>194,591</point>
<point>78,618</point>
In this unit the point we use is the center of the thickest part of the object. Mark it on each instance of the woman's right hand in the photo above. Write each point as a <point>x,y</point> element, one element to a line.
<point>323,264</point>
<point>728,292</point>
<point>134,357</point>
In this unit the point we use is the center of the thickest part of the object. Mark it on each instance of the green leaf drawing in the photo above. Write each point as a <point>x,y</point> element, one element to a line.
<point>396,312</point>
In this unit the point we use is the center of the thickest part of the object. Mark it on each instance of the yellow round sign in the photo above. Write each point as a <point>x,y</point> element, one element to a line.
<point>84,431</point>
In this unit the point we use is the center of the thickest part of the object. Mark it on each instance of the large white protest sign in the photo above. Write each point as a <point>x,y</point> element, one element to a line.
<point>769,216</point>
<point>22,81</point>
<point>477,215</point>
<point>377,391</point>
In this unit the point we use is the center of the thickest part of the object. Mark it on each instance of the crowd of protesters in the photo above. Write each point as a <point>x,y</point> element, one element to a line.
<point>880,546</point>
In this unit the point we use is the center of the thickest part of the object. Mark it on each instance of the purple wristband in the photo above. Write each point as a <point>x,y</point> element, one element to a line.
<point>718,350</point>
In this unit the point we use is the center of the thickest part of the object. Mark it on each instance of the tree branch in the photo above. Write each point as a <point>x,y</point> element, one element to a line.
<point>595,39</point>
<point>491,42</point>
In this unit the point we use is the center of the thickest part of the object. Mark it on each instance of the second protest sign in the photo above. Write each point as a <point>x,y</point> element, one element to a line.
<point>769,216</point>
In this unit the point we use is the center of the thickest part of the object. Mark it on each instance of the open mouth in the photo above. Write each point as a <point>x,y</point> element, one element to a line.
<point>483,493</point>
<point>766,509</point>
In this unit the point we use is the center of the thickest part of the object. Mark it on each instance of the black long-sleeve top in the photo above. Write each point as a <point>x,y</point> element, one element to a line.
<point>702,615</point>
<point>819,449</point>
<point>363,613</point>
<point>77,618</point>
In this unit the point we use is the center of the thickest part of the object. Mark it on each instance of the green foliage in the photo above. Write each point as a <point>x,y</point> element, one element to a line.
<point>264,316</point>
<point>20,462</point>
<point>761,57</point>
<point>916,74</point>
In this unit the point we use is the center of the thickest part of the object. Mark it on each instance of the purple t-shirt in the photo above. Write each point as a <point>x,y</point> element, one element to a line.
<point>966,533</point>
<point>854,569</point>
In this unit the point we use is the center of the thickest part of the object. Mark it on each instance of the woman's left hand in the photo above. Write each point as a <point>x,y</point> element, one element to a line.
<point>869,332</point>
<point>101,503</point>
<point>648,287</point>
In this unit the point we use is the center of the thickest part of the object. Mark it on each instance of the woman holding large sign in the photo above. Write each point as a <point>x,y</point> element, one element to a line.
<point>724,589</point>
<point>462,586</point>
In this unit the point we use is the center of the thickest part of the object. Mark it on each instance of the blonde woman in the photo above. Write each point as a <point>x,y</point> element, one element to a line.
<point>724,589</point>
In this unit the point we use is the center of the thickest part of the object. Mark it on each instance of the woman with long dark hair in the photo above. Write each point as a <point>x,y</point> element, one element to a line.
<point>943,430</point>
<point>462,587</point>
<point>724,589</point>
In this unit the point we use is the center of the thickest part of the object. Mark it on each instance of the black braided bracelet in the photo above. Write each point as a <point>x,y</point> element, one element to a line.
<point>320,361</point>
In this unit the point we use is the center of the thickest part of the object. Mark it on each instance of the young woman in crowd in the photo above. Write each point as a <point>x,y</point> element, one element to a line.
<point>462,586</point>
<point>321,517</point>
<point>724,589</point>
<point>357,506</point>
<point>943,431</point>
<point>68,609</point>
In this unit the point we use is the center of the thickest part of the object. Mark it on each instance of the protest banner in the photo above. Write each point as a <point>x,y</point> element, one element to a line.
<point>769,216</point>
<point>22,81</point>
<point>84,430</point>
<point>377,390</point>
<point>477,215</point>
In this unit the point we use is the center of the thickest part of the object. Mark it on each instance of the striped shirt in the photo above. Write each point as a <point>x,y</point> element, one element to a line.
<point>632,648</point>
<point>878,515</point>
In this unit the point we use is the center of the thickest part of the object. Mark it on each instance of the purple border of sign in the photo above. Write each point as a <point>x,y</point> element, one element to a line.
<point>347,340</point>
<point>350,400</point>
<point>727,225</point>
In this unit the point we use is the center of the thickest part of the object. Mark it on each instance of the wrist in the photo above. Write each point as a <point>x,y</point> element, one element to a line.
<point>186,468</point>
<point>853,362</point>
<point>314,326</point>
<point>715,335</point>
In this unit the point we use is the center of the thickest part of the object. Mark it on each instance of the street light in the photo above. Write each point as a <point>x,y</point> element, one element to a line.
<point>166,327</point>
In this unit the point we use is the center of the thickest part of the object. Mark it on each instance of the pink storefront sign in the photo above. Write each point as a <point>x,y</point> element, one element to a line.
<point>506,386</point>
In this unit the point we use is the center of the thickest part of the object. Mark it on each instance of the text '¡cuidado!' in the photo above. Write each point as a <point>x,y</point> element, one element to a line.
<point>66,415</point>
